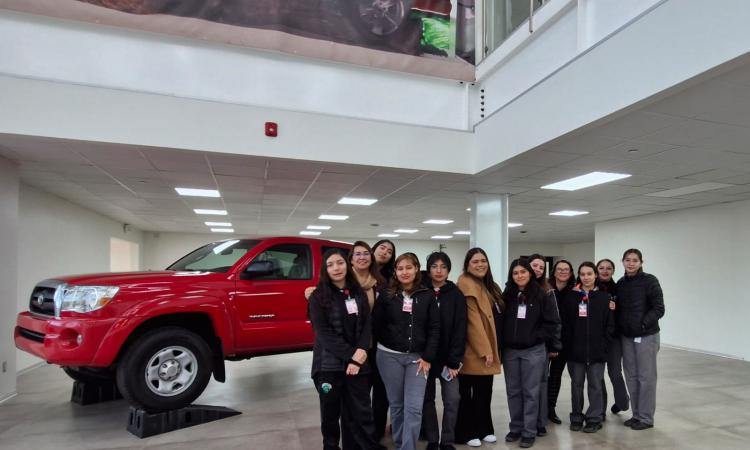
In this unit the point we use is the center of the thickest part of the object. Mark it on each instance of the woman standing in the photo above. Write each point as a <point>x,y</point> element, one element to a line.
<point>531,324</point>
<point>640,305</point>
<point>587,330</point>
<point>340,316</point>
<point>407,329</point>
<point>482,356</point>
<point>606,269</point>
<point>384,255</point>
<point>448,362</point>
<point>562,281</point>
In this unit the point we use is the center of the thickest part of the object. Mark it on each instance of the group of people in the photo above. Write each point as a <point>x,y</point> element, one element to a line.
<point>387,331</point>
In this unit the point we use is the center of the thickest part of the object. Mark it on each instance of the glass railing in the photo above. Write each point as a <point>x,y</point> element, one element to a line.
<point>503,17</point>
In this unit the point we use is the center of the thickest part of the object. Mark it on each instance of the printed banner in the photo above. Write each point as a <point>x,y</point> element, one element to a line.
<point>430,37</point>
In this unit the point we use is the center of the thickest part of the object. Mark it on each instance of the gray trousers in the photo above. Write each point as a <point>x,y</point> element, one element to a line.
<point>593,375</point>
<point>451,397</point>
<point>543,416</point>
<point>614,370</point>
<point>523,375</point>
<point>639,362</point>
<point>405,391</point>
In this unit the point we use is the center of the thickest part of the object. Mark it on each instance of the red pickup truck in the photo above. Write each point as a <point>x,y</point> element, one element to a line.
<point>161,334</point>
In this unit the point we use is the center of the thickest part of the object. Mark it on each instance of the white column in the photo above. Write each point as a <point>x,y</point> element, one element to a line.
<point>9,185</point>
<point>489,230</point>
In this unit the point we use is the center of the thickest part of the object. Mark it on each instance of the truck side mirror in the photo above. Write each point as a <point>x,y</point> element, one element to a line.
<point>258,269</point>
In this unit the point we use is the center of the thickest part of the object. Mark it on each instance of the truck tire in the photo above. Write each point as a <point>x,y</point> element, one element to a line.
<point>379,18</point>
<point>167,368</point>
<point>89,375</point>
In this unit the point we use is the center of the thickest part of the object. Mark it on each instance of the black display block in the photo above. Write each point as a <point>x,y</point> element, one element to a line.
<point>144,424</point>
<point>88,393</point>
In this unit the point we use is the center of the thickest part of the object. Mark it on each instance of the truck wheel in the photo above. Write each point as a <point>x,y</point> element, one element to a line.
<point>90,375</point>
<point>379,18</point>
<point>165,369</point>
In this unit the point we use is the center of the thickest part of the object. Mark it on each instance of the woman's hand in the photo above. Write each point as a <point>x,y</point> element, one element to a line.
<point>612,305</point>
<point>352,369</point>
<point>488,360</point>
<point>553,354</point>
<point>452,372</point>
<point>308,292</point>
<point>423,366</point>
<point>360,356</point>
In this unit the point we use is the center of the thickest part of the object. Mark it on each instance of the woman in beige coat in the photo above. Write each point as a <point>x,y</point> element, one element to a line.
<point>482,358</point>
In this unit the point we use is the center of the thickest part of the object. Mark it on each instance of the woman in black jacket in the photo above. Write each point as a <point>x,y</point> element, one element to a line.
<point>587,327</point>
<point>640,305</point>
<point>340,316</point>
<point>562,281</point>
<point>452,306</point>
<point>407,330</point>
<point>531,323</point>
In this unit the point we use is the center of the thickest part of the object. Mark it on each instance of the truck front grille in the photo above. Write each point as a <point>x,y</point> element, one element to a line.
<point>42,299</point>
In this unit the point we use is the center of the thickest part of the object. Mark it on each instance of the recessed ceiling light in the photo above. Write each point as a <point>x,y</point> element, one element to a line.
<point>568,213</point>
<point>462,232</point>
<point>438,221</point>
<point>218,224</point>
<point>468,209</point>
<point>406,230</point>
<point>332,217</point>
<point>514,225</point>
<point>388,235</point>
<point>309,233</point>
<point>318,227</point>
<point>584,181</point>
<point>211,212</point>
<point>357,201</point>
<point>687,190</point>
<point>440,236</point>
<point>222,230</point>
<point>190,192</point>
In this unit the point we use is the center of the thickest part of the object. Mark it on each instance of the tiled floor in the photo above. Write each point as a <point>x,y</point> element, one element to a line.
<point>703,403</point>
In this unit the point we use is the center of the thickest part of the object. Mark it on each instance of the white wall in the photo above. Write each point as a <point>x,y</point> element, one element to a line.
<point>57,238</point>
<point>700,256</point>
<point>9,228</point>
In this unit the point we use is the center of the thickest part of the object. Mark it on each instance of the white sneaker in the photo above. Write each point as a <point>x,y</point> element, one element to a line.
<point>474,443</point>
<point>491,438</point>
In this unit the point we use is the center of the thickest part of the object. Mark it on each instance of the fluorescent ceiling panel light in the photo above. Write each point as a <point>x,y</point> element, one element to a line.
<point>440,236</point>
<point>406,230</point>
<point>514,225</point>
<point>222,230</point>
<point>218,224</point>
<point>310,233</point>
<point>190,192</point>
<point>211,212</point>
<point>318,227</point>
<point>357,201</point>
<point>388,235</point>
<point>687,190</point>
<point>332,217</point>
<point>462,233</point>
<point>568,213</point>
<point>438,221</point>
<point>584,181</point>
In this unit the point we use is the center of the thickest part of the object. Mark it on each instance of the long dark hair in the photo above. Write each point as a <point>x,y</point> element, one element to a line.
<point>388,269</point>
<point>325,289</point>
<point>395,285</point>
<point>591,265</point>
<point>488,281</point>
<point>373,269</point>
<point>542,280</point>
<point>611,263</point>
<point>553,281</point>
<point>533,289</point>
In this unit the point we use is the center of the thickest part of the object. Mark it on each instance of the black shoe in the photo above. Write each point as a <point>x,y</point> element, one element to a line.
<point>447,447</point>
<point>641,426</point>
<point>512,437</point>
<point>527,442</point>
<point>552,416</point>
<point>541,431</point>
<point>576,426</point>
<point>615,409</point>
<point>630,422</point>
<point>592,427</point>
<point>433,446</point>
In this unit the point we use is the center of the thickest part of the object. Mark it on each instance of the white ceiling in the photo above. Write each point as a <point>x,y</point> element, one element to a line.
<point>700,134</point>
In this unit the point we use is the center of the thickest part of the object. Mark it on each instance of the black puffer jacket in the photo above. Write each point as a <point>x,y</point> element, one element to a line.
<point>610,287</point>
<point>541,325</point>
<point>415,332</point>
<point>452,305</point>
<point>339,334</point>
<point>640,305</point>
<point>586,339</point>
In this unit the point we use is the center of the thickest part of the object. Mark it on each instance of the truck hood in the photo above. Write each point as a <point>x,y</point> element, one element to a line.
<point>132,279</point>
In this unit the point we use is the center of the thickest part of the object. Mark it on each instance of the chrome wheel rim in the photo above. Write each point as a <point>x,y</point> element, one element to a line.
<point>171,371</point>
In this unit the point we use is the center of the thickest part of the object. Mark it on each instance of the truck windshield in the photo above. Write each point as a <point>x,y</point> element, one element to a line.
<point>216,257</point>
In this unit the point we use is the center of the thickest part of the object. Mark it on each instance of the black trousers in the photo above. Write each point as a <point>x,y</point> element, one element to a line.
<point>379,398</point>
<point>345,396</point>
<point>474,413</point>
<point>556,369</point>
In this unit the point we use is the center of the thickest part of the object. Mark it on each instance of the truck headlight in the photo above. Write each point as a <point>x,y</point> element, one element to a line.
<point>83,299</point>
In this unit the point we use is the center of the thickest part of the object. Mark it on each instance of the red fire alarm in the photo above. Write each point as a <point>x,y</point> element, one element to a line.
<point>272,129</point>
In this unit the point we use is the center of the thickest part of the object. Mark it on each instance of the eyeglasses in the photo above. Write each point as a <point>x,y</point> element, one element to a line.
<point>360,254</point>
<point>561,270</point>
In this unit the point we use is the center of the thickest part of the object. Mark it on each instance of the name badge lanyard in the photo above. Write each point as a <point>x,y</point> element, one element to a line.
<point>437,296</point>
<point>583,306</point>
<point>521,305</point>
<point>351,304</point>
